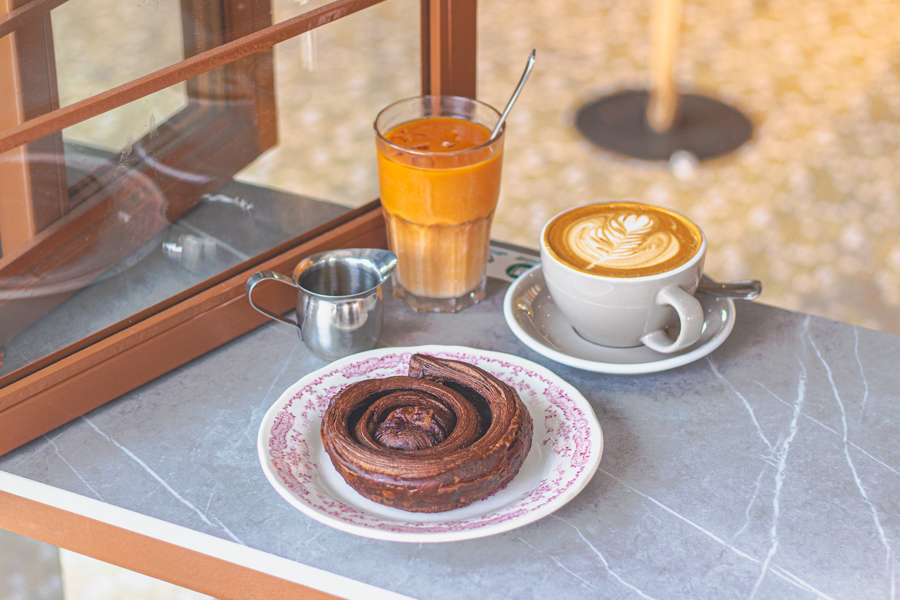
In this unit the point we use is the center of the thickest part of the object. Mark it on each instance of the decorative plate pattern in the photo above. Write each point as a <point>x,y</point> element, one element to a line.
<point>565,453</point>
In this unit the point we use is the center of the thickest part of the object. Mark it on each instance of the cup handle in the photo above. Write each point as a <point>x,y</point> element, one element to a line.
<point>261,276</point>
<point>690,313</point>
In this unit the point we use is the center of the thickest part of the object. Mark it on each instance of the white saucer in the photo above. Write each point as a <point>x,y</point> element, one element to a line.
<point>537,322</point>
<point>565,451</point>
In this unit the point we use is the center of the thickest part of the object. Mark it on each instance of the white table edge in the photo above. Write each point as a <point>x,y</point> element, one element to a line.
<point>196,541</point>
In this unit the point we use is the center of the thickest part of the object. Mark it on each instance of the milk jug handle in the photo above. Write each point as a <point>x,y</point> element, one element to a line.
<point>258,278</point>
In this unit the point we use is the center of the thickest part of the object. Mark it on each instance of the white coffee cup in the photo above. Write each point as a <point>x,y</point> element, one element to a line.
<point>623,312</point>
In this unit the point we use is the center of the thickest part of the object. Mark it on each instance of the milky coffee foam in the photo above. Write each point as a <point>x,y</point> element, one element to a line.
<point>622,239</point>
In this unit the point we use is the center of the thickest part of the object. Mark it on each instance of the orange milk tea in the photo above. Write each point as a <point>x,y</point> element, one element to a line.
<point>439,196</point>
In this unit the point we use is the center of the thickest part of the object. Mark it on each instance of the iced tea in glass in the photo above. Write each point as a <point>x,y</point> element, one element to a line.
<point>439,176</point>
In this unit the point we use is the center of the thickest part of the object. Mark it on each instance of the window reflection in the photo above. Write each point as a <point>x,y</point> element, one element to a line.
<point>145,201</point>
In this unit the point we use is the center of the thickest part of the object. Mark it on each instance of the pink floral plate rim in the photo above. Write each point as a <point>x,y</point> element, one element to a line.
<point>565,425</point>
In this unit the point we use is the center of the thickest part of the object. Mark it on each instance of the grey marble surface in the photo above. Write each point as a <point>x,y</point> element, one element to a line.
<point>770,469</point>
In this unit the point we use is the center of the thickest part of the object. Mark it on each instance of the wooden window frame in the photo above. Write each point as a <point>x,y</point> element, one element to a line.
<point>101,367</point>
<point>188,155</point>
<point>28,90</point>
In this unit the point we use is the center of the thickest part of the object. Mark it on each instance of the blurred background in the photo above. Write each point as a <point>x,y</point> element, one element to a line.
<point>811,205</point>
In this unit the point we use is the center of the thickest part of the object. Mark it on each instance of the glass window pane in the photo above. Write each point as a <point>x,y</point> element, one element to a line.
<point>331,84</point>
<point>96,45</point>
<point>161,194</point>
<point>101,44</point>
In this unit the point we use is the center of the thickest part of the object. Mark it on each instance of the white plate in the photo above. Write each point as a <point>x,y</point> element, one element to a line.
<point>537,322</point>
<point>565,450</point>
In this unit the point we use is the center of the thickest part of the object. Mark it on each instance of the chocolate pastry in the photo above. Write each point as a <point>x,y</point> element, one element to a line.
<point>441,438</point>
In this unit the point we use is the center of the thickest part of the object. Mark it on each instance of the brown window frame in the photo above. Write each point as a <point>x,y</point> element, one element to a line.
<point>51,224</point>
<point>28,71</point>
<point>121,357</point>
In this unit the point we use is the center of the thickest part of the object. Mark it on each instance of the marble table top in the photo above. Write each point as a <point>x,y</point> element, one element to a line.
<point>770,469</point>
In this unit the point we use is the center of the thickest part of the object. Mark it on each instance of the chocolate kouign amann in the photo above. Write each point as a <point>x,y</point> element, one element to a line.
<point>441,438</point>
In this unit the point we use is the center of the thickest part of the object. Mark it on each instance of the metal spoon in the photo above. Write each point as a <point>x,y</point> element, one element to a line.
<point>747,289</point>
<point>512,100</point>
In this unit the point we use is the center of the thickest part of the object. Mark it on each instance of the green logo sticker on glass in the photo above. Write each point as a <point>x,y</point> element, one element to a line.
<point>517,269</point>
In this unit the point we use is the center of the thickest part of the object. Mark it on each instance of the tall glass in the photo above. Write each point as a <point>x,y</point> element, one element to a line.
<point>438,202</point>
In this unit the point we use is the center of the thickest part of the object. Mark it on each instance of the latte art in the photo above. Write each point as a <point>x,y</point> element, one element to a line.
<point>623,239</point>
<point>623,242</point>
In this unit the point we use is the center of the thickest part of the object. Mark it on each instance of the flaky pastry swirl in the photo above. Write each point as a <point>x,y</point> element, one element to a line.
<point>441,438</point>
